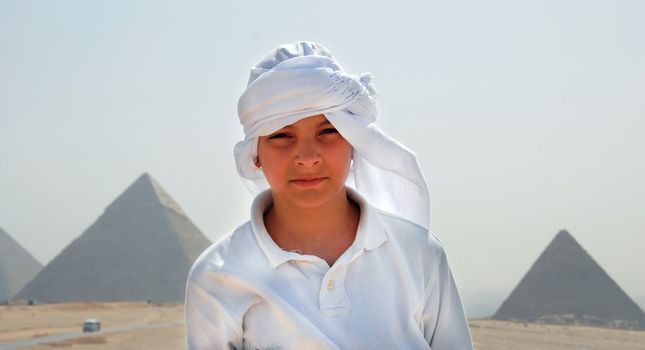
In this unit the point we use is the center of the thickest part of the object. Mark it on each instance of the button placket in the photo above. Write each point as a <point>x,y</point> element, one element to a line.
<point>333,297</point>
<point>313,271</point>
<point>330,284</point>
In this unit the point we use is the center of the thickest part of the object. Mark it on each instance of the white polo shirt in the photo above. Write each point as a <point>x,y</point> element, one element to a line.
<point>391,289</point>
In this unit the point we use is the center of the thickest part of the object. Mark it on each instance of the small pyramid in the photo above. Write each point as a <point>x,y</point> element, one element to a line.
<point>566,285</point>
<point>17,266</point>
<point>140,248</point>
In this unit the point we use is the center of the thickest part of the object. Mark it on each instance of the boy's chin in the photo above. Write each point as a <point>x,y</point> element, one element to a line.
<point>313,198</point>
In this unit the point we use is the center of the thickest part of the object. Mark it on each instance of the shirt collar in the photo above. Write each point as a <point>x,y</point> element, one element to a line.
<point>369,235</point>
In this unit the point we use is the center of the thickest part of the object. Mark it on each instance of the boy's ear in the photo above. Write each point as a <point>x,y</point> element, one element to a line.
<point>257,162</point>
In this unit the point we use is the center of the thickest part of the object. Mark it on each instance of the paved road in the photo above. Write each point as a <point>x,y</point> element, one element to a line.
<point>58,337</point>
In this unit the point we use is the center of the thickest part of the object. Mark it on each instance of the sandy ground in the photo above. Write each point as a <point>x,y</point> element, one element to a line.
<point>26,321</point>
<point>22,321</point>
<point>170,338</point>
<point>500,335</point>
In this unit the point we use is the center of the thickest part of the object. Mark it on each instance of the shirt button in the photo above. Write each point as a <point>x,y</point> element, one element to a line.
<point>330,284</point>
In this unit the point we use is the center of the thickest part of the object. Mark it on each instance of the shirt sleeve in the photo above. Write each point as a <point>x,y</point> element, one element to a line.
<point>209,324</point>
<point>444,322</point>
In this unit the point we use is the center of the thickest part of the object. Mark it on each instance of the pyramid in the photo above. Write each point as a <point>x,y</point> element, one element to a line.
<point>140,248</point>
<point>565,285</point>
<point>17,266</point>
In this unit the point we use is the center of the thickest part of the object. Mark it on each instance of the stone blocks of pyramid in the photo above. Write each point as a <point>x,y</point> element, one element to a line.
<point>566,285</point>
<point>140,248</point>
<point>17,266</point>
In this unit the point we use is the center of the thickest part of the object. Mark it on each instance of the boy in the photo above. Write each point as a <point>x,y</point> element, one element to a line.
<point>337,254</point>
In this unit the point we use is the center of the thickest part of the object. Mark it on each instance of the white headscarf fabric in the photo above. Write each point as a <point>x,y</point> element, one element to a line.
<point>302,79</point>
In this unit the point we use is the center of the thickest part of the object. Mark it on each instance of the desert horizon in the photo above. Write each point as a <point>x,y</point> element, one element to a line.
<point>143,325</point>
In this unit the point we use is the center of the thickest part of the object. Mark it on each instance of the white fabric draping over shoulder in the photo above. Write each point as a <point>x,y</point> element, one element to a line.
<point>303,79</point>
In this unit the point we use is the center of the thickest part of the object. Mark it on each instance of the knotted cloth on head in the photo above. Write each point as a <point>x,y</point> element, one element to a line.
<point>303,79</point>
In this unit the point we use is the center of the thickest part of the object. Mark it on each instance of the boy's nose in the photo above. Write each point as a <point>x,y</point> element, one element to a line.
<point>307,154</point>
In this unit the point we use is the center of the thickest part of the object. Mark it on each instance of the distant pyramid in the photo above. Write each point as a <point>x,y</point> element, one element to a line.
<point>17,266</point>
<point>141,248</point>
<point>565,285</point>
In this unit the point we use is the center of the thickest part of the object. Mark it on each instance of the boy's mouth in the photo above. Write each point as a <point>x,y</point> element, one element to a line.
<point>308,181</point>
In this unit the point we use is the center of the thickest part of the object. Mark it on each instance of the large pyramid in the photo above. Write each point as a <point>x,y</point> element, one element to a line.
<point>17,266</point>
<point>141,248</point>
<point>566,285</point>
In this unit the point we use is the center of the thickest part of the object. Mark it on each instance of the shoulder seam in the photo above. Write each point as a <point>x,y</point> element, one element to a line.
<point>394,216</point>
<point>397,217</point>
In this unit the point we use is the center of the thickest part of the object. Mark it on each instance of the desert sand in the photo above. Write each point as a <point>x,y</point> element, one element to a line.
<point>504,335</point>
<point>34,321</point>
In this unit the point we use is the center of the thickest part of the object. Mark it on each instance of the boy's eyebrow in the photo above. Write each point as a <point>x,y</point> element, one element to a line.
<point>290,126</point>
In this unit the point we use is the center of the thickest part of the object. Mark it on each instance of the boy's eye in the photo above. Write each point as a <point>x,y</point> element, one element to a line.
<point>329,131</point>
<point>278,136</point>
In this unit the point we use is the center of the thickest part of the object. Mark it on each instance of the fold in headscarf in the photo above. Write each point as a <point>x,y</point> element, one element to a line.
<point>302,79</point>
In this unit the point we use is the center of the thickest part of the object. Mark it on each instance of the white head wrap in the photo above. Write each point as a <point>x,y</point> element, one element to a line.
<point>302,79</point>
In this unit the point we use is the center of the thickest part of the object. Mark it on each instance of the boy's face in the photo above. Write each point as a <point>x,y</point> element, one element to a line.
<point>305,163</point>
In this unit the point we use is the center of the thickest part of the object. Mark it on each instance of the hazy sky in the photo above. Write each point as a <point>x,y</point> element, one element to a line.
<point>527,116</point>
